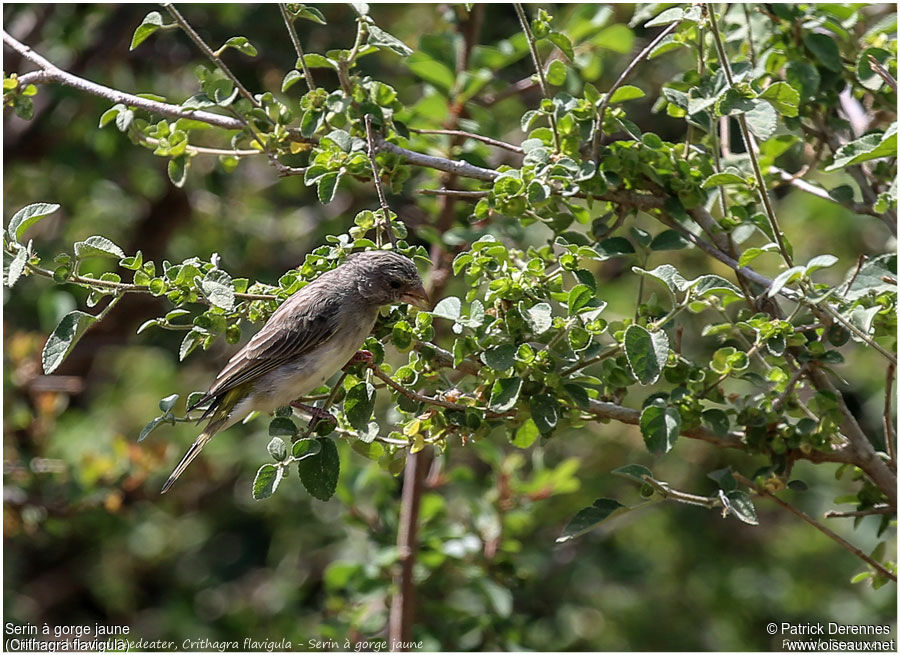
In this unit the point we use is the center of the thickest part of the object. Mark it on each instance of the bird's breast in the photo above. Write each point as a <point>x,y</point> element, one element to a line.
<point>291,380</point>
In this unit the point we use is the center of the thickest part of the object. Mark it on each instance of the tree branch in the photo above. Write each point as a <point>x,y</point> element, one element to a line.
<point>403,601</point>
<point>536,59</point>
<point>376,179</point>
<point>601,111</point>
<point>818,526</point>
<point>292,31</point>
<point>477,137</point>
<point>51,73</point>
<point>206,50</point>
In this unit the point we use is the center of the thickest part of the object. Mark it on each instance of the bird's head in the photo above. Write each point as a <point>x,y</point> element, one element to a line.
<point>387,277</point>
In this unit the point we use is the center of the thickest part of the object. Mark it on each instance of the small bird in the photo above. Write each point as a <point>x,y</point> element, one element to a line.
<point>310,337</point>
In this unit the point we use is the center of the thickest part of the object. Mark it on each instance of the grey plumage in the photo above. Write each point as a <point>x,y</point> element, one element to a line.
<point>306,340</point>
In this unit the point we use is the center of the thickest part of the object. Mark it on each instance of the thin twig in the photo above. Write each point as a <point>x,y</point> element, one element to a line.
<point>664,490</point>
<point>865,456</point>
<point>458,193</point>
<point>201,150</point>
<point>124,287</point>
<point>818,526</point>
<point>51,73</point>
<point>462,168</point>
<point>212,56</point>
<point>889,435</point>
<point>819,192</point>
<point>536,59</point>
<point>469,135</point>
<point>289,24</point>
<point>601,111</point>
<point>749,35</point>
<point>872,511</point>
<point>385,223</point>
<point>749,144</point>
<point>876,66</point>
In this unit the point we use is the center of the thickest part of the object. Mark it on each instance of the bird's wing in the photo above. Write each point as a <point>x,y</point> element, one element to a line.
<point>303,321</point>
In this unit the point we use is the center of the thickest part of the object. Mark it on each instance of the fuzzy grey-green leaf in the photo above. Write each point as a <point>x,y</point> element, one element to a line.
<point>63,339</point>
<point>319,472</point>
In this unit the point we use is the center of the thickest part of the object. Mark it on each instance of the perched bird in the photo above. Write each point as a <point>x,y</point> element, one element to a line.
<point>311,336</point>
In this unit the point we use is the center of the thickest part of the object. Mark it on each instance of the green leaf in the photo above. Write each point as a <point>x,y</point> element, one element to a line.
<point>151,426</point>
<point>545,412</point>
<point>241,44</point>
<point>177,170</point>
<point>864,71</point>
<point>151,23</point>
<point>500,358</point>
<point>871,146</point>
<point>613,247</point>
<point>319,472</point>
<point>724,478</point>
<point>870,278</point>
<point>167,403</point>
<point>28,216</point>
<point>282,426</point>
<point>309,13</point>
<point>98,246</point>
<point>359,405</point>
<point>668,240</point>
<point>539,317</point>
<point>579,297</point>
<point>556,73</point>
<point>526,434</point>
<point>660,427</point>
<point>634,472</point>
<point>739,504</point>
<point>431,70</point>
<point>562,42</point>
<point>668,16</point>
<point>782,97</point>
<point>824,48</point>
<point>266,482</point>
<point>504,394</point>
<point>667,274</point>
<point>820,261</point>
<point>314,60</point>
<point>449,308</point>
<point>381,39</point>
<point>721,179</point>
<point>217,287</point>
<point>785,277</point>
<point>647,352</point>
<point>804,77</point>
<point>326,186</point>
<point>762,120</point>
<point>716,420</point>
<point>63,339</point>
<point>292,77</point>
<point>277,449</point>
<point>16,267</point>
<point>590,517</point>
<point>626,92</point>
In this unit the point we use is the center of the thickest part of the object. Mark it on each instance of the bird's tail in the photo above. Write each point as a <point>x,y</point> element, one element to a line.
<point>189,456</point>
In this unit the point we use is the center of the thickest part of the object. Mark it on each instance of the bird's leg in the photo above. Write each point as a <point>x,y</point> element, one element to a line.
<point>361,357</point>
<point>316,413</point>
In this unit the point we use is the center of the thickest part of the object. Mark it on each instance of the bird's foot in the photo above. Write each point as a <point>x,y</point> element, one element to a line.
<point>361,357</point>
<point>317,413</point>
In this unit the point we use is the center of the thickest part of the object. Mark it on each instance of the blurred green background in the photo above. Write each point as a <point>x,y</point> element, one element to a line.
<point>89,540</point>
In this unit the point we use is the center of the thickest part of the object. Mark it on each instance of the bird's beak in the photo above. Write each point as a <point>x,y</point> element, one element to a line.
<point>417,297</point>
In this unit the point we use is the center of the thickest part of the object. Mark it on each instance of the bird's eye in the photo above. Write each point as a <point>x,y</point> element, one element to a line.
<point>395,283</point>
